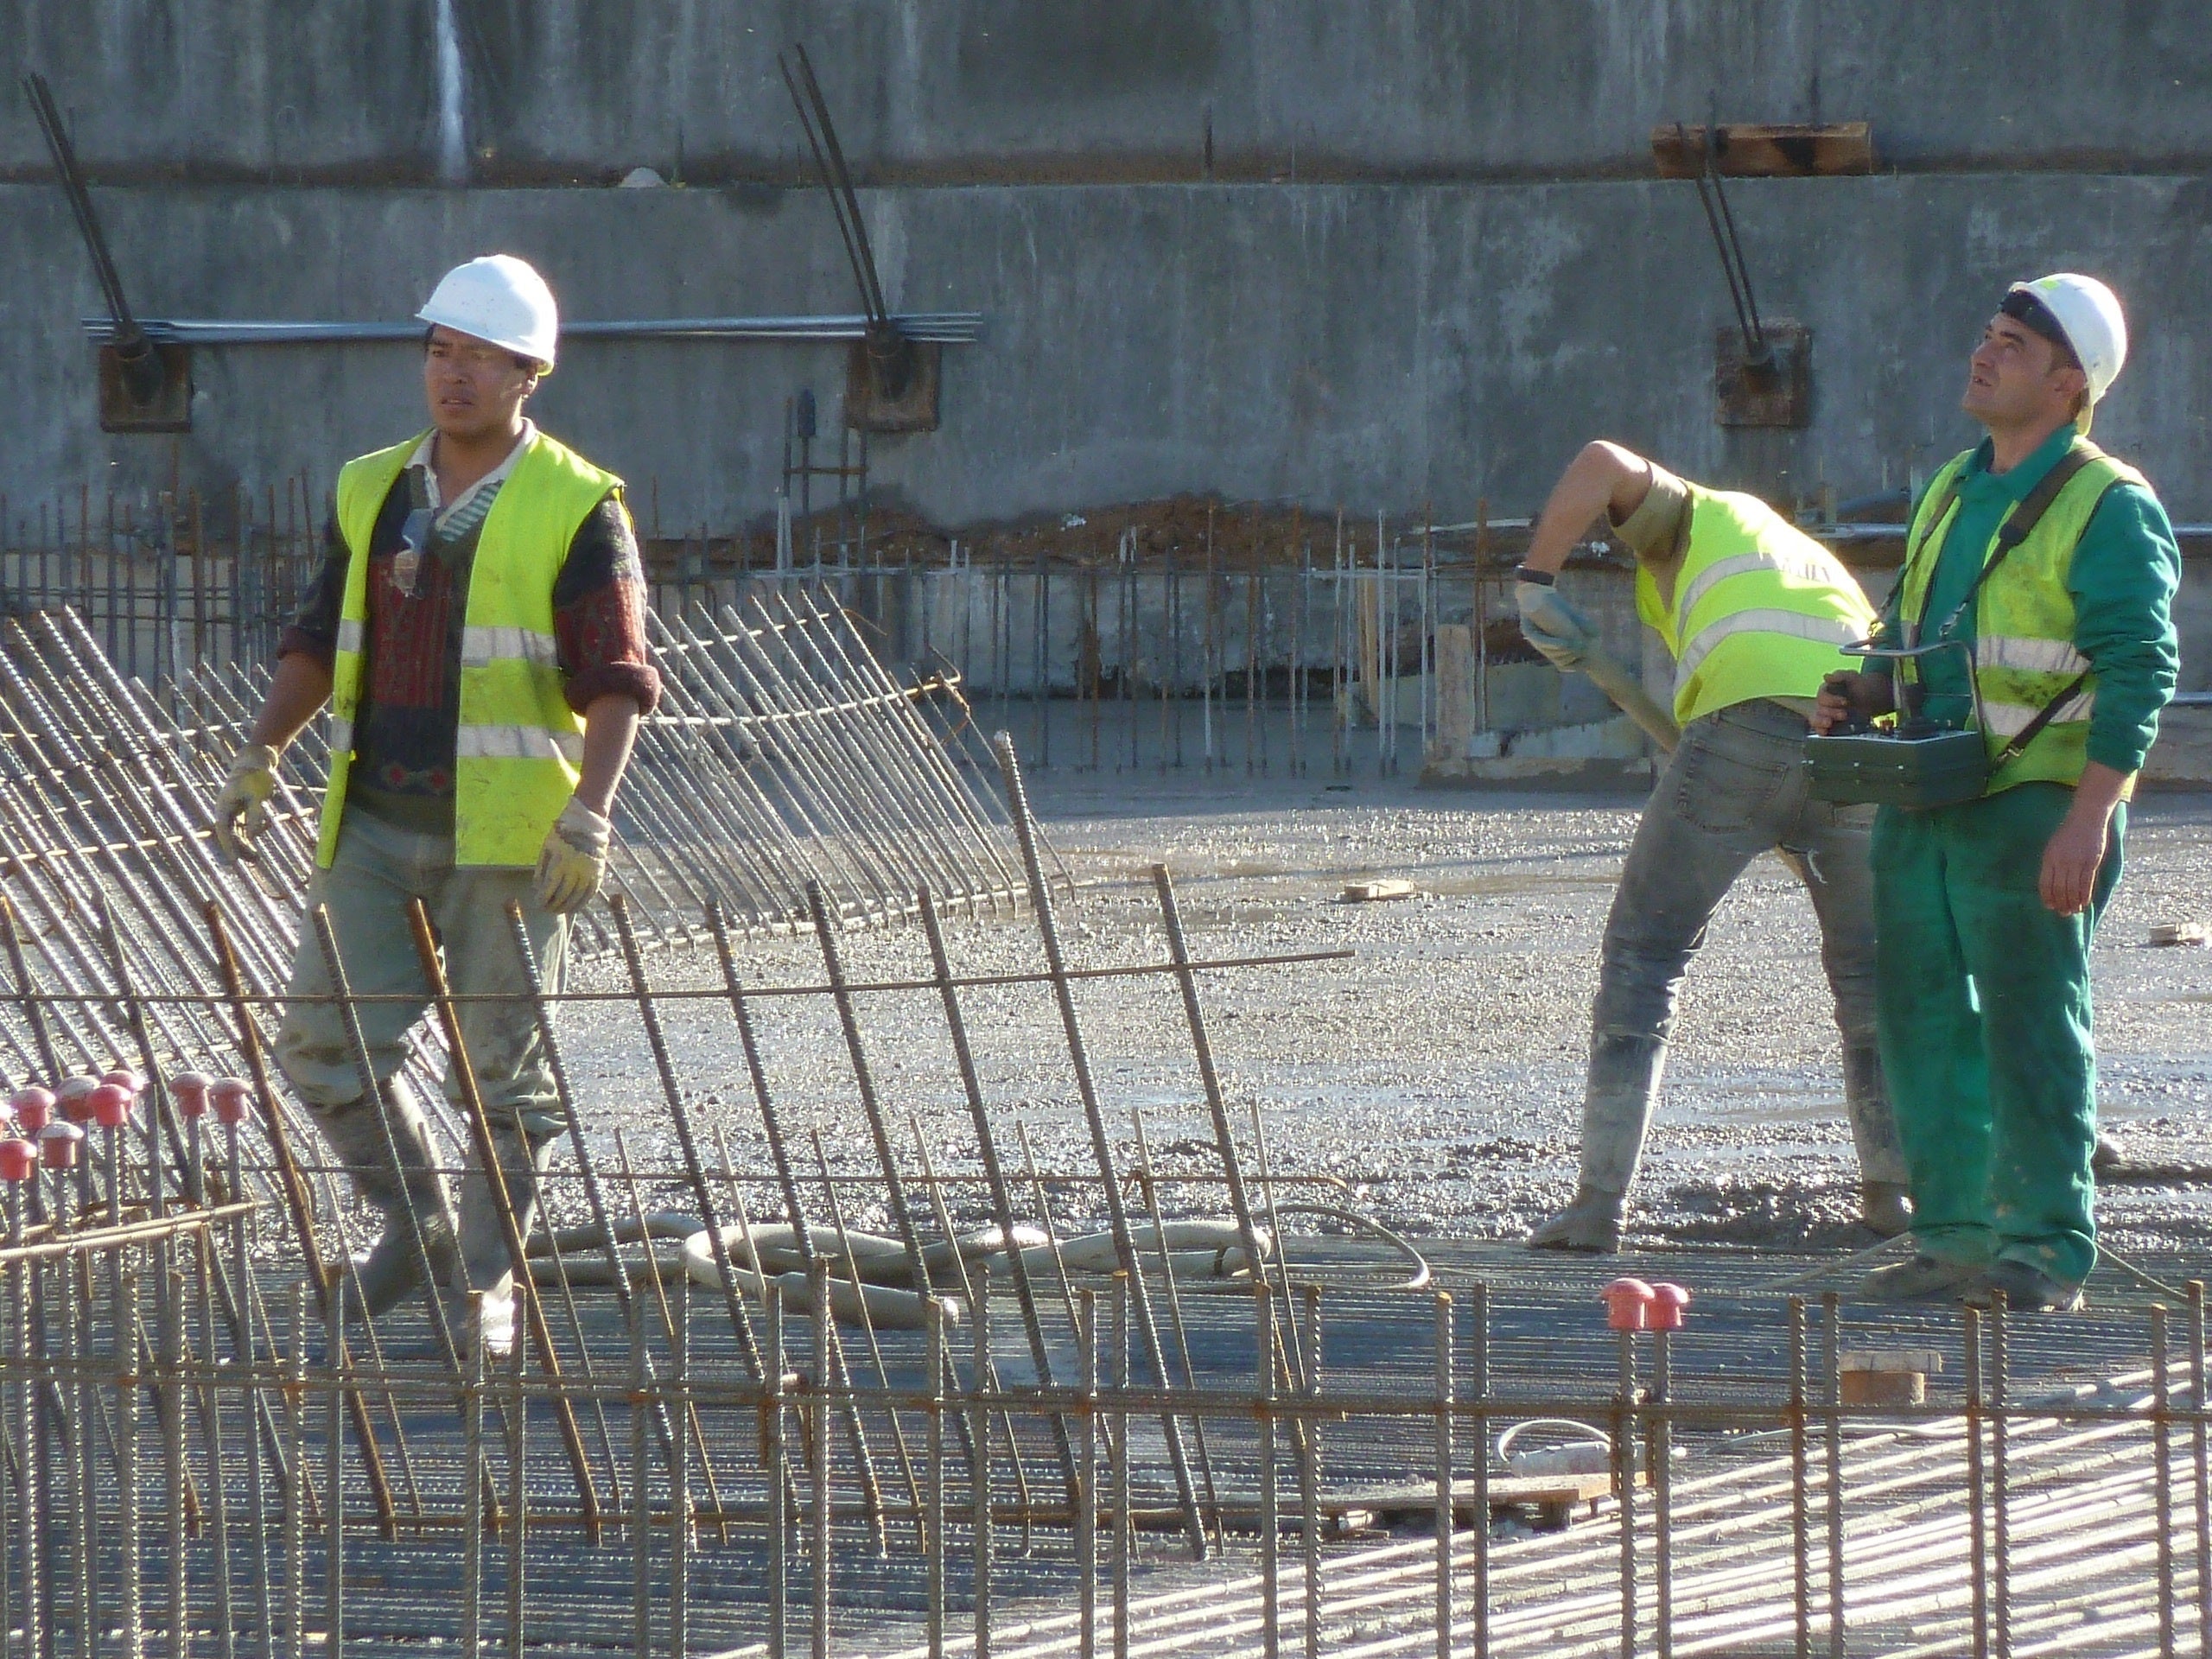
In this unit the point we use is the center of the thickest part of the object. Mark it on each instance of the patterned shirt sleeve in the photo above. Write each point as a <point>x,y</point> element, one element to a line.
<point>314,631</point>
<point>599,613</point>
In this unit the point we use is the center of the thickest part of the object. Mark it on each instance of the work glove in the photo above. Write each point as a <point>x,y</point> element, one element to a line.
<point>573,863</point>
<point>242,807</point>
<point>1554,627</point>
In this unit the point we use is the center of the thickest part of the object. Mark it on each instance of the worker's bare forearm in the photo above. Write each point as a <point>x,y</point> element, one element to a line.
<point>298,689</point>
<point>2099,791</point>
<point>610,733</point>
<point>1604,479</point>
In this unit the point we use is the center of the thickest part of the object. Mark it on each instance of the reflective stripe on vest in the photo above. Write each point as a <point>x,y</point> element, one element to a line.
<point>519,744</point>
<point>1759,608</point>
<point>2023,651</point>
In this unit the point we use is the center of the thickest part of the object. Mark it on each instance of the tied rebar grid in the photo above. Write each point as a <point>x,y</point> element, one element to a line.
<point>150,1541</point>
<point>784,755</point>
<point>826,1459</point>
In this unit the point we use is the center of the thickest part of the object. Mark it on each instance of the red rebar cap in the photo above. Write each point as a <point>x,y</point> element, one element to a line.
<point>57,1145</point>
<point>124,1077</point>
<point>33,1108</point>
<point>17,1159</point>
<point>189,1090</point>
<point>1625,1301</point>
<point>75,1095</point>
<point>111,1104</point>
<point>230,1097</point>
<point>1667,1302</point>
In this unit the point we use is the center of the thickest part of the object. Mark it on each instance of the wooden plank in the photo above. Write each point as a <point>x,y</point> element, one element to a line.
<point>1756,151</point>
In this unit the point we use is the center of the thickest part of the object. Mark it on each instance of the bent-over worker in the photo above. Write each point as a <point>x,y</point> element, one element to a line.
<point>2055,563</point>
<point>1753,612</point>
<point>478,628</point>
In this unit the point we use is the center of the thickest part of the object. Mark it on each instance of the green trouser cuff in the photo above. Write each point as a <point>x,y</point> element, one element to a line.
<point>1982,996</point>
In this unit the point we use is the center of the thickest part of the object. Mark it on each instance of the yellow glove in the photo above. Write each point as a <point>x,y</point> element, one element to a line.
<point>242,807</point>
<point>573,861</point>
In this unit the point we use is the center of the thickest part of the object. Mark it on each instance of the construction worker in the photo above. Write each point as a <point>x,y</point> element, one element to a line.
<point>2056,565</point>
<point>1753,612</point>
<point>478,628</point>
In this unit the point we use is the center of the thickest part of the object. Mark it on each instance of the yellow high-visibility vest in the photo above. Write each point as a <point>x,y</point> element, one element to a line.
<point>1760,608</point>
<point>519,747</point>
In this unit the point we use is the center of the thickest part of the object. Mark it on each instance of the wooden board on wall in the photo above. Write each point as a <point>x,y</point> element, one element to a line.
<point>1754,151</point>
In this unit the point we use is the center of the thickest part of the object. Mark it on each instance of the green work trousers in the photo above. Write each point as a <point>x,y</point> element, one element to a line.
<point>1982,1001</point>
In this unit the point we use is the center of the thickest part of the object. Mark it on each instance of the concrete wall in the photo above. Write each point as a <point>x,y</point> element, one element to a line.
<point>1365,344</point>
<point>968,91</point>
<point>1463,282</point>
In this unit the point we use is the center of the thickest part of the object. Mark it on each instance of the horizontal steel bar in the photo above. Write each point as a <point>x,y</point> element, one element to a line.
<point>948,327</point>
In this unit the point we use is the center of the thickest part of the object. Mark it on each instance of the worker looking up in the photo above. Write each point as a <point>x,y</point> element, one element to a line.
<point>1985,910</point>
<point>478,628</point>
<point>1753,612</point>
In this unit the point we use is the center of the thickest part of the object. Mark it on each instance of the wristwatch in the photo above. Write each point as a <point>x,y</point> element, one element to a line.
<point>1542,578</point>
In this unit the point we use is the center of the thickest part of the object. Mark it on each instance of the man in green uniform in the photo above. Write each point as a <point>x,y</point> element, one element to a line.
<point>2055,565</point>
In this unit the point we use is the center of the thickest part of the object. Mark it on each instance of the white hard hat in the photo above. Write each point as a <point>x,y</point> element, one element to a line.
<point>2088,315</point>
<point>500,299</point>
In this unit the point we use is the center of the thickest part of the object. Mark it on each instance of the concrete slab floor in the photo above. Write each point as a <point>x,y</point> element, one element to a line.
<point>1437,1072</point>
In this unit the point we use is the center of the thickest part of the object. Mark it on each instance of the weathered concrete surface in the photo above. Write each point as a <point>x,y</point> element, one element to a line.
<point>1437,1070</point>
<point>966,91</point>
<point>1371,345</point>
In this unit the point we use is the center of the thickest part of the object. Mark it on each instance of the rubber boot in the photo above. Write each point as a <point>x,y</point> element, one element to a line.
<point>484,1255</point>
<point>411,1198</point>
<point>1884,1208</point>
<point>1617,1102</point>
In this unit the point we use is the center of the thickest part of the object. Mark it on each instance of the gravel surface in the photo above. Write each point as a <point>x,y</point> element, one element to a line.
<point>1436,1072</point>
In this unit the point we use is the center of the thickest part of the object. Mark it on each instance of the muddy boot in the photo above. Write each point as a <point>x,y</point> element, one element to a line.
<point>1592,1224</point>
<point>1873,1125</point>
<point>1616,1102</point>
<point>484,1256</point>
<point>1884,1208</point>
<point>412,1197</point>
<point>2108,1159</point>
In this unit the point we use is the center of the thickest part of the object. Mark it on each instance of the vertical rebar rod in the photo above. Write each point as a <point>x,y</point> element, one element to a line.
<point>1660,1444</point>
<point>2201,1453</point>
<point>817,1285</point>
<point>643,1386</point>
<point>295,1484</point>
<point>1124,1554</point>
<point>1263,1410</point>
<point>694,1169</point>
<point>2000,1510</point>
<point>2162,1479</point>
<point>1441,1609</point>
<point>334,1477</point>
<point>679,1476</point>
<point>210,1434</point>
<point>1624,1481</point>
<point>983,1520</point>
<point>1002,1194</point>
<point>1977,1491</point>
<point>1801,1532</point>
<point>1479,1397</point>
<point>933,1324</point>
<point>775,1469</point>
<point>1150,1186</point>
<point>1086,1493</point>
<point>31,1492</point>
<point>1308,1445</point>
<point>1831,1398</point>
<point>175,1469</point>
<point>1041,902</point>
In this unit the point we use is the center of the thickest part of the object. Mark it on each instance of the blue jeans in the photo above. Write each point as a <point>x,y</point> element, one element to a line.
<point>1734,788</point>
